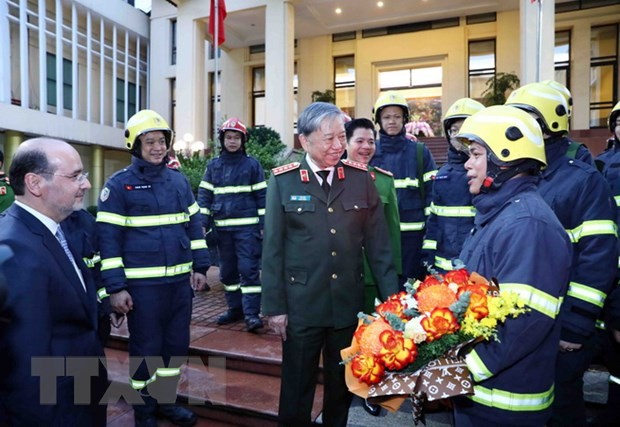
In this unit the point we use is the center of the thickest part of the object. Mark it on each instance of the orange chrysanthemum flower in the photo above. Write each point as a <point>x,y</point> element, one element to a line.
<point>441,321</point>
<point>435,296</point>
<point>369,338</point>
<point>397,351</point>
<point>367,368</point>
<point>431,280</point>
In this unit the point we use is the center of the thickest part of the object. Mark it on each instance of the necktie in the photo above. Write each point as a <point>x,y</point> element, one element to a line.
<point>65,246</point>
<point>325,185</point>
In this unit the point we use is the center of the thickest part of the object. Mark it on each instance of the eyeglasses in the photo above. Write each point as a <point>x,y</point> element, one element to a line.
<point>80,178</point>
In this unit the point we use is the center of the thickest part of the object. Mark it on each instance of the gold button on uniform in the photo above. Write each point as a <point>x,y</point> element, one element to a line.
<point>330,210</point>
<point>333,253</point>
<point>298,209</point>
<point>333,231</point>
<point>334,276</point>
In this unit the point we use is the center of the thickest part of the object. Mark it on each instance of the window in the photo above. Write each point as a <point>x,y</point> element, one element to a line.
<point>67,82</point>
<point>603,73</point>
<point>561,57</point>
<point>173,42</point>
<point>132,108</point>
<point>344,79</point>
<point>258,95</point>
<point>481,66</point>
<point>421,86</point>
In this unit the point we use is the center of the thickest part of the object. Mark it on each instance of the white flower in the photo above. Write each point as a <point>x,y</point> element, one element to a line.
<point>410,302</point>
<point>453,287</point>
<point>414,330</point>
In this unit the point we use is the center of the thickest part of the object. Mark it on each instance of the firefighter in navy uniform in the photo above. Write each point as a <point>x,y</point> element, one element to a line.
<point>518,240</point>
<point>413,167</point>
<point>576,150</point>
<point>583,203</point>
<point>153,257</point>
<point>452,214</point>
<point>608,333</point>
<point>232,201</point>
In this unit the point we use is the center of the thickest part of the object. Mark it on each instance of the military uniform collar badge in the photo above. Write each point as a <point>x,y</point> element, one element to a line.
<point>303,174</point>
<point>340,173</point>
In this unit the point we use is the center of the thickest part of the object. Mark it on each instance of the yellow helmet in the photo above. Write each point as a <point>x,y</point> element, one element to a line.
<point>544,101</point>
<point>613,116</point>
<point>387,99</point>
<point>146,121</point>
<point>510,134</point>
<point>568,97</point>
<point>461,109</point>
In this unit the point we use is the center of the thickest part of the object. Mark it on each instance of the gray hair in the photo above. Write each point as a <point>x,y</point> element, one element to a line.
<point>314,114</point>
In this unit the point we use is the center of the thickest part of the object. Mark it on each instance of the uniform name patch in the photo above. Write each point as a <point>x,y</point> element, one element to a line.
<point>130,187</point>
<point>304,198</point>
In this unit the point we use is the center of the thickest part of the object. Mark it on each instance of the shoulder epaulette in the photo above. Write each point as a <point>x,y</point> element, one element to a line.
<point>356,165</point>
<point>384,172</point>
<point>281,169</point>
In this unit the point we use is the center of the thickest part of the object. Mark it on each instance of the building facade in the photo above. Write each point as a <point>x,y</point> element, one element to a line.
<point>74,70</point>
<point>77,69</point>
<point>278,52</point>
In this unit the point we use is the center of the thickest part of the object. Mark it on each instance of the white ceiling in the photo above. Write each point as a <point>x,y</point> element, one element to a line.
<point>318,17</point>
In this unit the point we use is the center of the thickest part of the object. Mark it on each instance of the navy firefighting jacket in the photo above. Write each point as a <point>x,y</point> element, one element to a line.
<point>609,164</point>
<point>518,240</point>
<point>452,213</point>
<point>398,155</point>
<point>232,192</point>
<point>149,228</point>
<point>582,201</point>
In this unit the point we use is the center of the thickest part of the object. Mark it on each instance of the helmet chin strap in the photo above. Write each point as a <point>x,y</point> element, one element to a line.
<point>496,176</point>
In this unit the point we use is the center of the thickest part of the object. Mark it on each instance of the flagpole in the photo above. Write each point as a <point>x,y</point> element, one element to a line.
<point>539,40</point>
<point>216,39</point>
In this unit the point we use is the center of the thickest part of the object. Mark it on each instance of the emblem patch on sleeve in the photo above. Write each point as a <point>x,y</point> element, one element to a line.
<point>105,193</point>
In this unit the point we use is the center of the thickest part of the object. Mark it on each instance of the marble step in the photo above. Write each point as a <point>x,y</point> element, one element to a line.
<point>217,392</point>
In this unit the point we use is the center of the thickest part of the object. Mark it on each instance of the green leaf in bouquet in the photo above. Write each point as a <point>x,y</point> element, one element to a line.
<point>459,308</point>
<point>394,321</point>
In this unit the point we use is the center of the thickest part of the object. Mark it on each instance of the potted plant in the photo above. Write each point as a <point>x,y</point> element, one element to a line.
<point>499,87</point>
<point>327,96</point>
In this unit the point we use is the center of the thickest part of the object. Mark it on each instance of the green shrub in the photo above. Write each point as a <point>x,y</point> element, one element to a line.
<point>266,146</point>
<point>193,168</point>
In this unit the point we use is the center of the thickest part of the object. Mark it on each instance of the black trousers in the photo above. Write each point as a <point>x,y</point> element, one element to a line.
<point>300,368</point>
<point>569,408</point>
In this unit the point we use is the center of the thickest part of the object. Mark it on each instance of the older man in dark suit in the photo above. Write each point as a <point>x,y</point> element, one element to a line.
<point>320,213</point>
<point>50,318</point>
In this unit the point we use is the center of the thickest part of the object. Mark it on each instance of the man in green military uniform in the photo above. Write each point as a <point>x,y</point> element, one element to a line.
<point>320,213</point>
<point>7,196</point>
<point>361,147</point>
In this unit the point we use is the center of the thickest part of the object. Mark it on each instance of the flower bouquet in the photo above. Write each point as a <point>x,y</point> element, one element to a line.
<point>410,345</point>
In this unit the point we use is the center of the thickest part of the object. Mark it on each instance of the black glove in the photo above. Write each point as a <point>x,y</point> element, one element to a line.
<point>211,238</point>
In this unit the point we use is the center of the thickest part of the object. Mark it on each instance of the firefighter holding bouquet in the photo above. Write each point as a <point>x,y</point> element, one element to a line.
<point>518,240</point>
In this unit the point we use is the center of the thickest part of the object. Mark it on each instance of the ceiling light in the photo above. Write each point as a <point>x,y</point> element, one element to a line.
<point>379,4</point>
<point>338,11</point>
